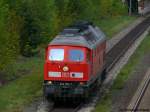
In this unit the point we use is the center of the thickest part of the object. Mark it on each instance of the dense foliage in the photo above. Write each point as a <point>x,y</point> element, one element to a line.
<point>9,37</point>
<point>25,25</point>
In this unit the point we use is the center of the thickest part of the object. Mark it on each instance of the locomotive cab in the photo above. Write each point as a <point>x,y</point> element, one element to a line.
<point>67,63</point>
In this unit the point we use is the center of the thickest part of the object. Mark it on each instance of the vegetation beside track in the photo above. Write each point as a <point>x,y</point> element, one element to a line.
<point>114,25</point>
<point>105,104</point>
<point>19,93</point>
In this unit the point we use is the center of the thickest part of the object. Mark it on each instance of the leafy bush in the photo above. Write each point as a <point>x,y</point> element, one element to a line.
<point>9,41</point>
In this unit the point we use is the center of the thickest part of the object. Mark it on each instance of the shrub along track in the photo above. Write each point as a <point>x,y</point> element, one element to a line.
<point>112,57</point>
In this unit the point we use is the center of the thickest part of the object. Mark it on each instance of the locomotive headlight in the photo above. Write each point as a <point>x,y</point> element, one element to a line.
<point>76,74</point>
<point>65,69</point>
<point>54,74</point>
<point>49,82</point>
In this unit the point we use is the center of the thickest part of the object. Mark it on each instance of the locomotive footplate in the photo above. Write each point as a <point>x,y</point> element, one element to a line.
<point>65,89</point>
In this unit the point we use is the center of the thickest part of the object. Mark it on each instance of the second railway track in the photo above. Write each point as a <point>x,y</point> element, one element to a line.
<point>135,104</point>
<point>113,56</point>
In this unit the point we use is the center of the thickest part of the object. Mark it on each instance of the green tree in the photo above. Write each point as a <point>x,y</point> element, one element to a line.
<point>35,26</point>
<point>8,36</point>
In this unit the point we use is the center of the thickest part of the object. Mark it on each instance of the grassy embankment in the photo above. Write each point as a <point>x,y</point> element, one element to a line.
<point>105,104</point>
<point>114,25</point>
<point>16,94</point>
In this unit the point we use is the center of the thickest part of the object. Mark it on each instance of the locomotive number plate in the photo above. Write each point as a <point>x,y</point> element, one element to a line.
<point>66,74</point>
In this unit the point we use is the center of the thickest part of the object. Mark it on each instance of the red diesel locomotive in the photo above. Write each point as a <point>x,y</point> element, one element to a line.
<point>75,61</point>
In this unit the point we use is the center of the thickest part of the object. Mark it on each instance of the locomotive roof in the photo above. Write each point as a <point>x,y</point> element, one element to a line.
<point>82,34</point>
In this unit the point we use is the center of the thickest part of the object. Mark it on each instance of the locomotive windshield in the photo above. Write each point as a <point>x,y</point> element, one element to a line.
<point>76,55</point>
<point>56,55</point>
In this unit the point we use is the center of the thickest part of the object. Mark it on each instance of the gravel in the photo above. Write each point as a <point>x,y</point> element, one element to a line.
<point>122,97</point>
<point>39,105</point>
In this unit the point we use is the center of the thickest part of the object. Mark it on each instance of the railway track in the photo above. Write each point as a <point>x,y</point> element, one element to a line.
<point>122,46</point>
<point>112,57</point>
<point>142,92</point>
